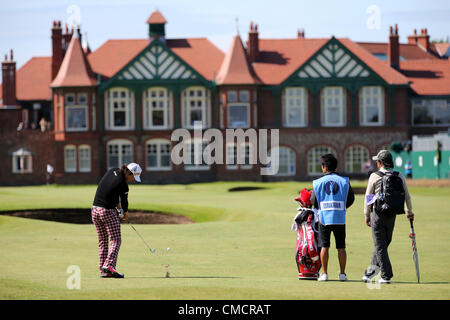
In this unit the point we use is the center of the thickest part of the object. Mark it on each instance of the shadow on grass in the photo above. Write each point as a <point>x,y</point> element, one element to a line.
<point>184,277</point>
<point>422,282</point>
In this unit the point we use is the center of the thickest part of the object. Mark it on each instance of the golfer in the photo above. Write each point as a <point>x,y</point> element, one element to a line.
<point>332,195</point>
<point>382,224</point>
<point>105,210</point>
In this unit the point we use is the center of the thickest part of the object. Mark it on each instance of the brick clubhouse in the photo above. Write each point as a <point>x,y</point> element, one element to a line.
<point>85,111</point>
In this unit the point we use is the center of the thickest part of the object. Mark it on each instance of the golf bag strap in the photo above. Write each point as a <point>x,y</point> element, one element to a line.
<point>310,241</point>
<point>379,173</point>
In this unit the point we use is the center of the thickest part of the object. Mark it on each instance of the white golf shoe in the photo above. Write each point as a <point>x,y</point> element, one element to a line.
<point>323,277</point>
<point>343,277</point>
<point>384,281</point>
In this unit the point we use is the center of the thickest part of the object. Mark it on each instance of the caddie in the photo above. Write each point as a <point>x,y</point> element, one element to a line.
<point>382,221</point>
<point>332,195</point>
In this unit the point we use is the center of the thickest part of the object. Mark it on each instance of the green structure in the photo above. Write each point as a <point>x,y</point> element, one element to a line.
<point>430,157</point>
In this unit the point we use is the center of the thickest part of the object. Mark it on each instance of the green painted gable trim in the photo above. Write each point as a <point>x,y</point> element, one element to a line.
<point>156,65</point>
<point>335,64</point>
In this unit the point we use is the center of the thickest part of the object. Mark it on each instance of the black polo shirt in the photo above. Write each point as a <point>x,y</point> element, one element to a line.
<point>111,187</point>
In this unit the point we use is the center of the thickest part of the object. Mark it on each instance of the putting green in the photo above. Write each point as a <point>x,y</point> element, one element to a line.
<point>241,248</point>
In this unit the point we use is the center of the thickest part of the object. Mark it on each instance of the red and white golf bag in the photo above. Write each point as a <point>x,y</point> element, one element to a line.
<point>307,252</point>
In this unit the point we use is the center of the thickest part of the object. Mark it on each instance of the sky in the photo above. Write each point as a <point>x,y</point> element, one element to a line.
<point>25,25</point>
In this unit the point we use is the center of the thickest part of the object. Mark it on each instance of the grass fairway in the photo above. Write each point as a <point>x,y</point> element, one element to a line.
<point>241,248</point>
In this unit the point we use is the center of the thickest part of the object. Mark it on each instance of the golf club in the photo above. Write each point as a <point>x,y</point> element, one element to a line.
<point>120,213</point>
<point>151,250</point>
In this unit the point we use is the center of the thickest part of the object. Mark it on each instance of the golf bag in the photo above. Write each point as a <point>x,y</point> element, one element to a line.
<point>307,252</point>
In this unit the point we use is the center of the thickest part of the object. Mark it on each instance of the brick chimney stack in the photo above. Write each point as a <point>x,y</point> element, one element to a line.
<point>57,50</point>
<point>393,48</point>
<point>422,40</point>
<point>253,42</point>
<point>9,81</point>
<point>66,37</point>
<point>301,34</point>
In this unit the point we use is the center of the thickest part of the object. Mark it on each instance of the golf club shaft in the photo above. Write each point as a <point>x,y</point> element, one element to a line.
<point>151,250</point>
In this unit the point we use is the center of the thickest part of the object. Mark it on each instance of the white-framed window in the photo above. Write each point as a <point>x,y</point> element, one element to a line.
<point>232,156</point>
<point>69,99</point>
<point>70,158</point>
<point>244,96</point>
<point>429,112</point>
<point>119,151</point>
<point>119,109</point>
<point>355,158</point>
<point>158,155</point>
<point>314,158</point>
<point>371,106</point>
<point>84,158</point>
<point>76,118</point>
<point>22,161</point>
<point>295,107</point>
<point>232,96</point>
<point>194,154</point>
<point>286,161</point>
<point>82,99</point>
<point>333,105</point>
<point>196,105</point>
<point>238,115</point>
<point>157,108</point>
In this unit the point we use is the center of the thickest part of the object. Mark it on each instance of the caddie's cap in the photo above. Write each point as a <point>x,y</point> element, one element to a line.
<point>135,170</point>
<point>385,157</point>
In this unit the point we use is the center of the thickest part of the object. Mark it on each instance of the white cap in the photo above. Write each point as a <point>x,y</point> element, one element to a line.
<point>135,170</point>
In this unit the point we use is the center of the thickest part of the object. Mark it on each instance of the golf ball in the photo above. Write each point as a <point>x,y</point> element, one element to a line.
<point>168,249</point>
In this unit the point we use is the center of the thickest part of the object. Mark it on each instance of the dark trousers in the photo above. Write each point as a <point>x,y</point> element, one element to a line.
<point>382,229</point>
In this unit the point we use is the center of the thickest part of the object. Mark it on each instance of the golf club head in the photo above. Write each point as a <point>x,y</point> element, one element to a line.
<point>153,250</point>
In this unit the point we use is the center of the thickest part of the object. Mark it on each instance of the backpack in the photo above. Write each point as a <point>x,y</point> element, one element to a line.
<point>391,199</point>
<point>307,253</point>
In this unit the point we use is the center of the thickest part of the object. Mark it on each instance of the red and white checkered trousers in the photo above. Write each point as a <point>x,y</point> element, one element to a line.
<point>107,224</point>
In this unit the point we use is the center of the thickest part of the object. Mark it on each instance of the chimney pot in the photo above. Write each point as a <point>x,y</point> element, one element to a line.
<point>11,55</point>
<point>394,48</point>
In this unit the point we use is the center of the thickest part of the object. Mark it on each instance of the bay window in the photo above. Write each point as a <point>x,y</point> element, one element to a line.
<point>371,106</point>
<point>333,105</point>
